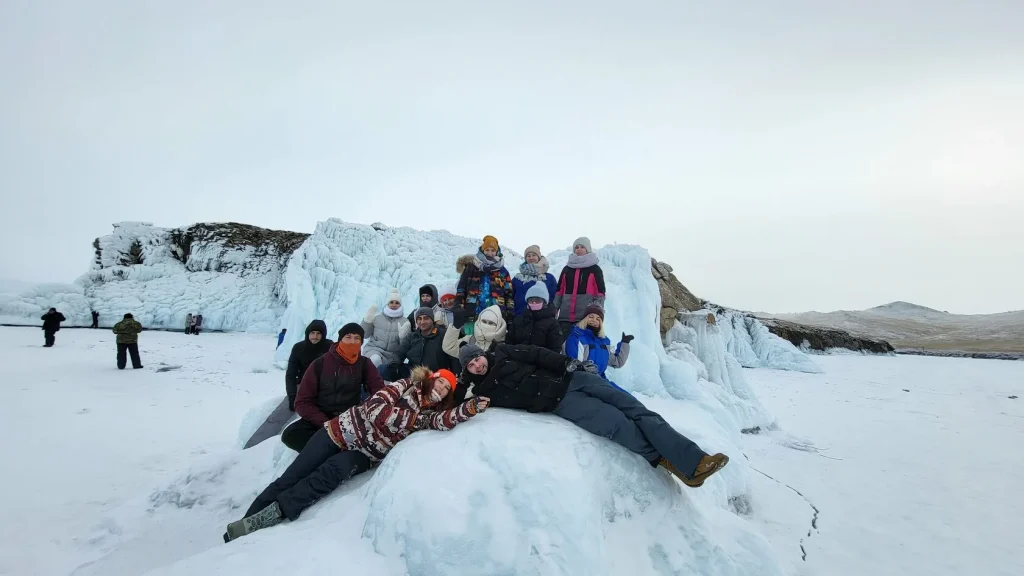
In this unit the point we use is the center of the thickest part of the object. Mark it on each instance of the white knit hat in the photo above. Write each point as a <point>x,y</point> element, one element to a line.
<point>585,242</point>
<point>394,296</point>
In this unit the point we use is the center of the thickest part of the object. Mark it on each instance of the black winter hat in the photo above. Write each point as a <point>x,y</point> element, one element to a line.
<point>128,316</point>
<point>351,328</point>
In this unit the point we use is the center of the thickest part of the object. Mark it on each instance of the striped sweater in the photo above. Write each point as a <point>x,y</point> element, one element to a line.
<point>388,416</point>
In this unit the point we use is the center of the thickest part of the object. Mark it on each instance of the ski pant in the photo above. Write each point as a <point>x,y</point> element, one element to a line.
<point>594,405</point>
<point>188,329</point>
<point>132,349</point>
<point>298,433</point>
<point>49,336</point>
<point>95,324</point>
<point>316,472</point>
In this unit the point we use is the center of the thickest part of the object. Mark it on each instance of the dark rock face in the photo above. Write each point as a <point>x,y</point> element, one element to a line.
<point>675,297</point>
<point>232,235</point>
<point>824,338</point>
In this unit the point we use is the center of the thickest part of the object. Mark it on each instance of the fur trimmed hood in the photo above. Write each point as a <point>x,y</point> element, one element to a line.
<point>465,261</point>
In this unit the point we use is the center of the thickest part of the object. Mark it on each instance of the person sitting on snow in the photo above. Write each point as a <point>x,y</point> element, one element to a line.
<point>51,325</point>
<point>539,380</point>
<point>127,331</point>
<point>385,331</point>
<point>350,443</point>
<point>580,284</point>
<point>529,275</point>
<point>428,299</point>
<point>302,355</point>
<point>588,342</point>
<point>483,282</point>
<point>333,383</point>
<point>420,348</point>
<point>490,331</point>
<point>537,325</point>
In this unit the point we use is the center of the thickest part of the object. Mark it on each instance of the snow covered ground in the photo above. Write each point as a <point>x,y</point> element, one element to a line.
<point>138,471</point>
<point>913,464</point>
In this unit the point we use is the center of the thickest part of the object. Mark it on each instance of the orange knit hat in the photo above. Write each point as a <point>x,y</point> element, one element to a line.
<point>489,242</point>
<point>447,375</point>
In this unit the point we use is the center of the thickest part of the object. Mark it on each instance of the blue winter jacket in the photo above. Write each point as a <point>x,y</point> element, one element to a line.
<point>583,344</point>
<point>520,287</point>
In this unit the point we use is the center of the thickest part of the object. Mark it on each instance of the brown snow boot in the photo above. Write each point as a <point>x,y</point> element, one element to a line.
<point>707,466</point>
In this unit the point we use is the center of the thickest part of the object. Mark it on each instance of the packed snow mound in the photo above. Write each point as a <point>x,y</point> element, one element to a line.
<point>518,494</point>
<point>232,274</point>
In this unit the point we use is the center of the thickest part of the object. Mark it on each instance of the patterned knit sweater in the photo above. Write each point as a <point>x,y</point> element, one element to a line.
<point>388,416</point>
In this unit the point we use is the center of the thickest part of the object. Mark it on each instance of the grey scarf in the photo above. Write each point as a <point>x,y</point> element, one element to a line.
<point>585,261</point>
<point>489,264</point>
<point>528,272</point>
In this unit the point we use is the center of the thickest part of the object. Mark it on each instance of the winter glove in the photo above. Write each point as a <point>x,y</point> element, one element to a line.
<point>572,365</point>
<point>371,314</point>
<point>477,404</point>
<point>627,338</point>
<point>461,315</point>
<point>404,330</point>
<point>589,366</point>
<point>440,318</point>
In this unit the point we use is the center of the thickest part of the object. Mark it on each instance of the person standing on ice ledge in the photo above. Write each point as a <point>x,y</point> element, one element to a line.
<point>483,282</point>
<point>421,348</point>
<point>588,342</point>
<point>537,325</point>
<point>385,331</point>
<point>539,380</point>
<point>580,284</point>
<point>333,383</point>
<point>428,299</point>
<point>352,442</point>
<point>280,337</point>
<point>303,353</point>
<point>530,274</point>
<point>51,325</point>
<point>127,331</point>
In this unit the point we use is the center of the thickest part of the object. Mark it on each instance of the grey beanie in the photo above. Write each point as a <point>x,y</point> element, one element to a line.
<point>583,241</point>
<point>424,311</point>
<point>469,352</point>
<point>538,290</point>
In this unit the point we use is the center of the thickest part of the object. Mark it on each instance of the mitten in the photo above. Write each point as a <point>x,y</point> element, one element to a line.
<point>477,404</point>
<point>589,366</point>
<point>404,330</point>
<point>370,314</point>
<point>627,338</point>
<point>460,317</point>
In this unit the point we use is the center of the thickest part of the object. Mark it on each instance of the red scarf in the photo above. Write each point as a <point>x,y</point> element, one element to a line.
<point>348,352</point>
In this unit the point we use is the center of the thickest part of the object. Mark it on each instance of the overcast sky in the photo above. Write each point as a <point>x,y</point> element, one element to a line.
<point>781,156</point>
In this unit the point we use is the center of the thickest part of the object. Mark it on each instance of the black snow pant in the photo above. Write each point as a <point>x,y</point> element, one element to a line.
<point>597,407</point>
<point>49,336</point>
<point>95,323</point>
<point>316,472</point>
<point>298,433</point>
<point>132,349</point>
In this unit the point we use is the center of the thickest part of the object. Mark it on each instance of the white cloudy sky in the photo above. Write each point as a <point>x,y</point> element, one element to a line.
<point>782,156</point>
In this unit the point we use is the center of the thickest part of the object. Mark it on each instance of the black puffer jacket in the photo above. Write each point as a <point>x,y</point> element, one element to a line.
<point>536,328</point>
<point>422,350</point>
<point>521,377</point>
<point>52,320</point>
<point>303,354</point>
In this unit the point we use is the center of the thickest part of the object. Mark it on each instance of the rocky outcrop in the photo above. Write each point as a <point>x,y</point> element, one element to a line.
<point>675,298</point>
<point>817,338</point>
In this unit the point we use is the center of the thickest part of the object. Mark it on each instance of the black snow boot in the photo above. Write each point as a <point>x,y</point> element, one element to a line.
<point>269,516</point>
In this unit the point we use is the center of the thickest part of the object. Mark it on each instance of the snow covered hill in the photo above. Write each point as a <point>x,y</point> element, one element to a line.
<point>911,326</point>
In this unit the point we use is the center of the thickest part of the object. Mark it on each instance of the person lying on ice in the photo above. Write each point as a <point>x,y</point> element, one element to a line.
<point>333,383</point>
<point>539,380</point>
<point>353,441</point>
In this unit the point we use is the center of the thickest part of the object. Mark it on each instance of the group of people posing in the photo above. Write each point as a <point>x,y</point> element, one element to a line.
<point>528,342</point>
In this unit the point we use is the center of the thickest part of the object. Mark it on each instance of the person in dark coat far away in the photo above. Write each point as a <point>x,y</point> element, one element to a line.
<point>333,383</point>
<point>95,320</point>
<point>536,325</point>
<point>315,345</point>
<point>538,380</point>
<point>51,325</point>
<point>127,331</point>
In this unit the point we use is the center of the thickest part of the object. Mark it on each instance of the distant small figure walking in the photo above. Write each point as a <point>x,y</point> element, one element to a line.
<point>51,325</point>
<point>95,319</point>
<point>190,323</point>
<point>198,325</point>
<point>280,337</point>
<point>127,331</point>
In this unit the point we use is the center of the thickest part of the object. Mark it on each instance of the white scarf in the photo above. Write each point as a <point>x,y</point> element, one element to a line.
<point>393,313</point>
